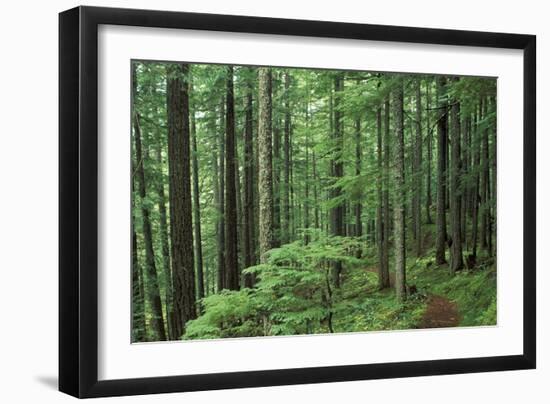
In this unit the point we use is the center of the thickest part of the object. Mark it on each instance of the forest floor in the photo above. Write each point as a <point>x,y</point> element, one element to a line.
<point>436,298</point>
<point>440,312</point>
<point>443,300</point>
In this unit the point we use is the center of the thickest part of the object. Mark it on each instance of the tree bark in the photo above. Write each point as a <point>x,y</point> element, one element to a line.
<point>221,212</point>
<point>181,221</point>
<point>153,290</point>
<point>484,186</point>
<point>337,212</point>
<point>357,209</point>
<point>248,209</point>
<point>276,132</point>
<point>466,152</point>
<point>138,301</point>
<point>217,205</point>
<point>265,180</point>
<point>399,194</point>
<point>315,191</point>
<point>381,228</point>
<point>384,260</point>
<point>139,332</point>
<point>475,193</point>
<point>441,226</point>
<point>197,211</point>
<point>455,195</point>
<point>165,248</point>
<point>306,175</point>
<point>429,144</point>
<point>285,237</point>
<point>230,209</point>
<point>493,130</point>
<point>417,179</point>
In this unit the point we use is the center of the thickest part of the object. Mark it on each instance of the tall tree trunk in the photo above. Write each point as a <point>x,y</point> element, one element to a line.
<point>306,175</point>
<point>139,332</point>
<point>491,177</point>
<point>153,290</point>
<point>467,187</point>
<point>357,208</point>
<point>381,228</point>
<point>337,212</point>
<point>493,130</point>
<point>181,221</point>
<point>441,226</point>
<point>165,248</point>
<point>197,211</point>
<point>399,194</point>
<point>239,198</point>
<point>221,212</point>
<point>455,193</point>
<point>265,180</point>
<point>276,132</point>
<point>484,186</point>
<point>429,144</point>
<point>410,155</point>
<point>286,165</point>
<point>292,199</point>
<point>138,300</point>
<point>384,259</point>
<point>230,209</point>
<point>417,179</point>
<point>315,190</point>
<point>475,196</point>
<point>217,205</point>
<point>248,209</point>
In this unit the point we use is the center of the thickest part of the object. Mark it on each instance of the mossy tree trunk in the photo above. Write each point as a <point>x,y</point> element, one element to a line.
<point>265,174</point>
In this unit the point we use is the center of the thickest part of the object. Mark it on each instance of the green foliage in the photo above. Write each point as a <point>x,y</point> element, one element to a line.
<point>293,293</point>
<point>474,291</point>
<point>293,296</point>
<point>227,314</point>
<point>365,308</point>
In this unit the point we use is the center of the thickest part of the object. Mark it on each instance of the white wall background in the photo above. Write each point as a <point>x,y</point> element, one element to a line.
<point>28,202</point>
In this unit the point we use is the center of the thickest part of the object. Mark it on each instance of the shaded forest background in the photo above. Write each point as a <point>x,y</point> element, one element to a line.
<point>279,201</point>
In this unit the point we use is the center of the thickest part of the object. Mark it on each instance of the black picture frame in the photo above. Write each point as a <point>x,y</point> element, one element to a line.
<point>78,201</point>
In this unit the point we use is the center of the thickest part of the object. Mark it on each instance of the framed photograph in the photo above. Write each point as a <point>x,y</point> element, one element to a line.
<point>251,201</point>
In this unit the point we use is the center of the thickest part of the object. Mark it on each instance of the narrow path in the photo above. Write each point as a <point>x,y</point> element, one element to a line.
<point>440,311</point>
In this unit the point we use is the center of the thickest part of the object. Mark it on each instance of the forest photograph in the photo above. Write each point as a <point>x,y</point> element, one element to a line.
<point>278,201</point>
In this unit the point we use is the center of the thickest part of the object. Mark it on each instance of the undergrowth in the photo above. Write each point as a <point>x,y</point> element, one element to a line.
<point>293,294</point>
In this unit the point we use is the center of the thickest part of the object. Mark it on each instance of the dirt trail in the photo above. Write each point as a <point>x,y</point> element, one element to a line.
<point>440,311</point>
